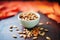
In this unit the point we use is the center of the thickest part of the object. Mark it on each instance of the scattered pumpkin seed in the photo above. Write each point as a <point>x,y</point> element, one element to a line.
<point>41,29</point>
<point>42,33</point>
<point>17,29</point>
<point>11,27</point>
<point>10,30</point>
<point>14,26</point>
<point>48,23</point>
<point>24,36</point>
<point>24,32</point>
<point>39,32</point>
<point>48,38</point>
<point>46,30</point>
<point>40,23</point>
<point>29,34</point>
<point>34,38</point>
<point>21,35</point>
<point>19,32</point>
<point>14,36</point>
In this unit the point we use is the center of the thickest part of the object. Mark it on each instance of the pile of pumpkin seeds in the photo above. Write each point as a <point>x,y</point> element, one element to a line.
<point>28,16</point>
<point>35,32</point>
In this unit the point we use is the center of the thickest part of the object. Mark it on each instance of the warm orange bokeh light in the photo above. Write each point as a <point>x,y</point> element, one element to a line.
<point>52,10</point>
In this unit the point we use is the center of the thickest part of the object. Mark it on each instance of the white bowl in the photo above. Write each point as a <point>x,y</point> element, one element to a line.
<point>29,24</point>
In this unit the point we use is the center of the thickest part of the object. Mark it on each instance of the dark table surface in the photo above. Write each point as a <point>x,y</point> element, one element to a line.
<point>5,34</point>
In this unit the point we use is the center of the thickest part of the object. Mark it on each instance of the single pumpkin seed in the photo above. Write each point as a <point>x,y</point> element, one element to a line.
<point>42,34</point>
<point>14,26</point>
<point>10,30</point>
<point>40,23</point>
<point>11,27</point>
<point>48,38</point>
<point>34,38</point>
<point>17,29</point>
<point>14,36</point>
<point>41,29</point>
<point>46,30</point>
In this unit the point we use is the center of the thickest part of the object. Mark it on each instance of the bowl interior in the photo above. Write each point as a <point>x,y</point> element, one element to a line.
<point>29,12</point>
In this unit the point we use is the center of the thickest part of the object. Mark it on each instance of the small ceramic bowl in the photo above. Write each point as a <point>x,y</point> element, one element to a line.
<point>31,23</point>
